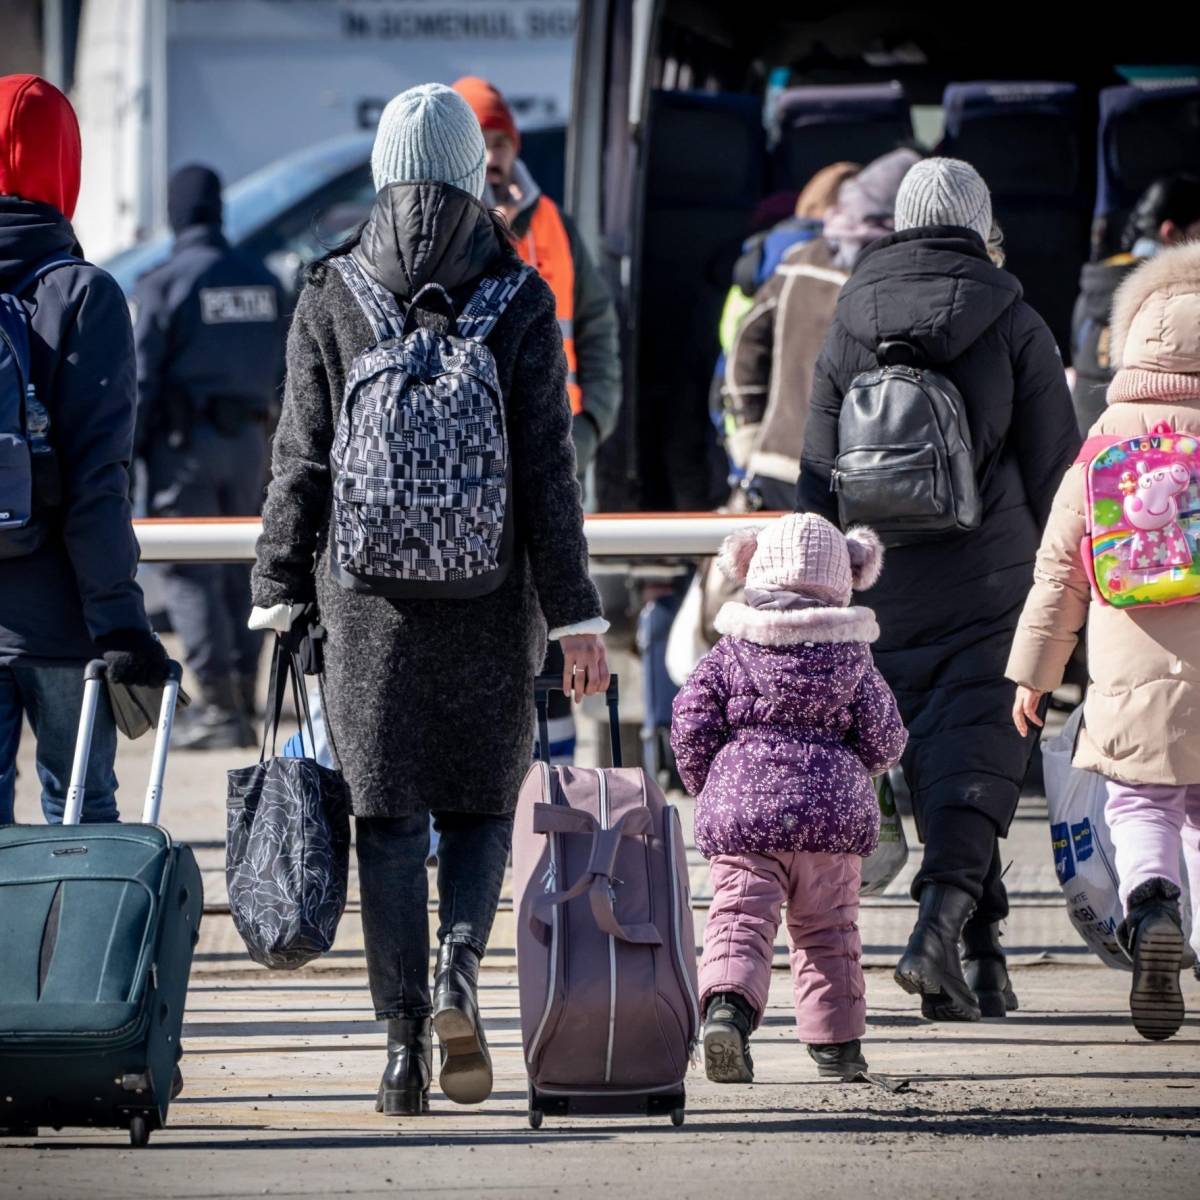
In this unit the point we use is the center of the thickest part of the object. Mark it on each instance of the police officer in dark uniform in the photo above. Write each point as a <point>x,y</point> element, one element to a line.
<point>209,337</point>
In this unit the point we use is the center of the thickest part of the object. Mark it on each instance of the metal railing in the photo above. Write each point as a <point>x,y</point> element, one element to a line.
<point>662,536</point>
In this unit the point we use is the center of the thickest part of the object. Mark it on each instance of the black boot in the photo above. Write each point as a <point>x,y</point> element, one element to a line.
<point>839,1060</point>
<point>466,1075</point>
<point>728,1020</point>
<point>930,966</point>
<point>1152,935</point>
<point>985,970</point>
<point>404,1088</point>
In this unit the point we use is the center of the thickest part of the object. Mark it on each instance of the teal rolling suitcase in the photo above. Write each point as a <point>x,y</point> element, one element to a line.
<point>97,928</point>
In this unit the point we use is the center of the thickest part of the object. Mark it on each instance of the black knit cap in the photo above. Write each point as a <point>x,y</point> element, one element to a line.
<point>194,198</point>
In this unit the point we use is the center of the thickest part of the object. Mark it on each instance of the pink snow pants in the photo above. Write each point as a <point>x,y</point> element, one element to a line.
<point>821,894</point>
<point>1149,823</point>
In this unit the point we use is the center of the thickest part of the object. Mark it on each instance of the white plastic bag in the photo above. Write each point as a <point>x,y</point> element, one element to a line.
<point>1083,849</point>
<point>890,856</point>
<point>686,643</point>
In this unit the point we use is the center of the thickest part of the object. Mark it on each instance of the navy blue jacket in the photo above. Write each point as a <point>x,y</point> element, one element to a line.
<point>207,324</point>
<point>80,584</point>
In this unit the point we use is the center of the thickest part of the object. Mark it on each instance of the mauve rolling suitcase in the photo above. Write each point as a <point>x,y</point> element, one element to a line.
<point>605,944</point>
<point>97,928</point>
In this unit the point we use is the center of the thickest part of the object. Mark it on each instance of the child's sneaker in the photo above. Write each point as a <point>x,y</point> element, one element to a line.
<point>1152,935</point>
<point>840,1060</point>
<point>728,1020</point>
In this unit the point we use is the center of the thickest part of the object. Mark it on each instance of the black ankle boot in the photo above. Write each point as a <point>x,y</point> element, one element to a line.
<point>466,1075</point>
<point>930,966</point>
<point>404,1088</point>
<point>839,1060</point>
<point>985,970</point>
<point>1152,935</point>
<point>728,1020</point>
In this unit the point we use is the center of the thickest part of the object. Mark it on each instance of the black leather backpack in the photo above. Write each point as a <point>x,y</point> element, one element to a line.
<point>905,464</point>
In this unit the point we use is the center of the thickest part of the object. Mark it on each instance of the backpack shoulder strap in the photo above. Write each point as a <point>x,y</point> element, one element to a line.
<point>377,303</point>
<point>491,298</point>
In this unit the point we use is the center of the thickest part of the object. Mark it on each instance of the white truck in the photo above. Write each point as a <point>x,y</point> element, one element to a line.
<point>237,84</point>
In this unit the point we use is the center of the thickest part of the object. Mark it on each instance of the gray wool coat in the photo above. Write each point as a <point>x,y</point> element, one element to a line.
<point>429,703</point>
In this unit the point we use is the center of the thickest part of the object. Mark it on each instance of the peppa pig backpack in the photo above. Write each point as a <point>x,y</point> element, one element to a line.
<point>1143,518</point>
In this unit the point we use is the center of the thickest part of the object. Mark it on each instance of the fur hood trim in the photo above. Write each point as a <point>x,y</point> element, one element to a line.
<point>781,628</point>
<point>1176,266</point>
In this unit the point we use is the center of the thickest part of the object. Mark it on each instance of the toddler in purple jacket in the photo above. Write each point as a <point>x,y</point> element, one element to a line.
<point>777,733</point>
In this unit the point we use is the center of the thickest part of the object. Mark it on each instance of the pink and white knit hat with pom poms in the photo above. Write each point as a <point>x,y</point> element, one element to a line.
<point>805,554</point>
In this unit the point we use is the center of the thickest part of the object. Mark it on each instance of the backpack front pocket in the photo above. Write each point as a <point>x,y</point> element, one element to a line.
<point>876,485</point>
<point>16,482</point>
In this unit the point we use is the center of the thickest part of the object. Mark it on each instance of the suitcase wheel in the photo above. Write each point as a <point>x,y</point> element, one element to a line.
<point>535,1113</point>
<point>677,1115</point>
<point>139,1131</point>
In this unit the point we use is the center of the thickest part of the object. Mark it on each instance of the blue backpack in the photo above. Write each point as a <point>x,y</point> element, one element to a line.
<point>29,477</point>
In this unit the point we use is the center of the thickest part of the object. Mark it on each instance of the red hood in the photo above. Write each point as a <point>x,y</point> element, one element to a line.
<point>39,143</point>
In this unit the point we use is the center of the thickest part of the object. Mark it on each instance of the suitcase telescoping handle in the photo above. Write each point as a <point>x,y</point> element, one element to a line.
<point>543,685</point>
<point>93,682</point>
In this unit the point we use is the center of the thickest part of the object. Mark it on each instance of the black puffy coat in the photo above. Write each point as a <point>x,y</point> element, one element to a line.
<point>947,609</point>
<point>79,586</point>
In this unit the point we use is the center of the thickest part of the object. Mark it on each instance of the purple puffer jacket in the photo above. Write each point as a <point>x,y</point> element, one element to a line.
<point>779,730</point>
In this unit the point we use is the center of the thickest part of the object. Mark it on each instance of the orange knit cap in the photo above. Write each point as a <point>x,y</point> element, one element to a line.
<point>489,106</point>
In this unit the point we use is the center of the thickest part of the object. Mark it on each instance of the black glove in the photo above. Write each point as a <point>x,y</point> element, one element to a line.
<point>306,639</point>
<point>135,657</point>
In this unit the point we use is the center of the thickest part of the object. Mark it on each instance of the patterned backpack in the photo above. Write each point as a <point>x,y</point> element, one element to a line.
<point>421,470</point>
<point>1143,518</point>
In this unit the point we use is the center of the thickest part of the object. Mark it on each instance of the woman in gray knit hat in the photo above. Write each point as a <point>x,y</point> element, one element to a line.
<point>429,702</point>
<point>948,609</point>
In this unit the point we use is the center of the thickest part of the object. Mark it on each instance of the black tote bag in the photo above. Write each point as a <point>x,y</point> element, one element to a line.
<point>287,844</point>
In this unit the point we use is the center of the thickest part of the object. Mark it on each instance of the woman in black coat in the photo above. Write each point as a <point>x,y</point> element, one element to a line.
<point>429,702</point>
<point>948,609</point>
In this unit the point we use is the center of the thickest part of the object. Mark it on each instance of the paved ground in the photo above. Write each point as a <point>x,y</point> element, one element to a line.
<point>1060,1100</point>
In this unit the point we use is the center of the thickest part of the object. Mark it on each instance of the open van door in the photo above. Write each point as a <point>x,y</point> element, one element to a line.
<point>662,184</point>
<point>603,142</point>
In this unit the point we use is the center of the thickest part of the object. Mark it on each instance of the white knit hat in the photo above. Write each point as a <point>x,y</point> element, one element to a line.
<point>429,132</point>
<point>944,191</point>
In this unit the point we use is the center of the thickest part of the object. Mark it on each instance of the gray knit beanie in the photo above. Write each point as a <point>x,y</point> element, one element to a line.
<point>944,191</point>
<point>429,132</point>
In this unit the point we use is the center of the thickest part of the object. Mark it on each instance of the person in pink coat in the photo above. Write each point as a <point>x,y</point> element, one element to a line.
<point>1141,725</point>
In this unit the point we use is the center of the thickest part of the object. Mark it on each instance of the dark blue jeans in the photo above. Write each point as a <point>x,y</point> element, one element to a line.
<point>52,697</point>
<point>394,885</point>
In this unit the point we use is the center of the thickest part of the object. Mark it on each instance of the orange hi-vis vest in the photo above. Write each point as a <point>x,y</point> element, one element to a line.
<point>546,247</point>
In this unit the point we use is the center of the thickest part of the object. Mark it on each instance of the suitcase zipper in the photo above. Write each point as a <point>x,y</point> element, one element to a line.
<point>551,883</point>
<point>612,942</point>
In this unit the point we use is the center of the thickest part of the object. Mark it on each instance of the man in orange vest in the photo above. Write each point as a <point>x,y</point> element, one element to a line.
<point>549,241</point>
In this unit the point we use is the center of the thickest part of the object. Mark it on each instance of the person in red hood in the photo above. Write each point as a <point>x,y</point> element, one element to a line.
<point>67,588</point>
